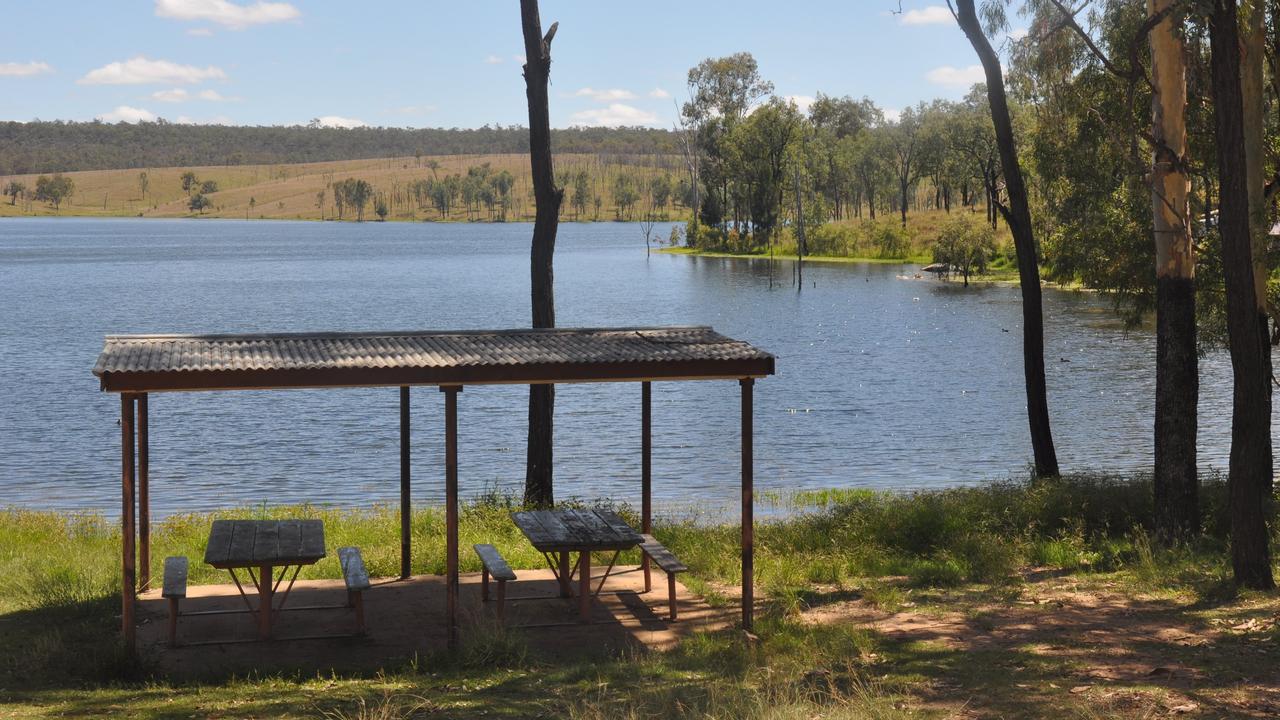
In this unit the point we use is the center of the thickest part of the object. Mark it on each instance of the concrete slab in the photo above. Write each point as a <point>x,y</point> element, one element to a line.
<point>406,619</point>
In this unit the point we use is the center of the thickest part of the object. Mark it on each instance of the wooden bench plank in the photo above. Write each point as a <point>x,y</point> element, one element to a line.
<point>219,547</point>
<point>557,532</point>
<point>597,528</point>
<point>531,528</point>
<point>243,535</point>
<point>175,577</point>
<point>290,539</point>
<point>353,571</point>
<point>312,539</point>
<point>669,563</point>
<point>579,530</point>
<point>494,562</point>
<point>266,543</point>
<point>616,522</point>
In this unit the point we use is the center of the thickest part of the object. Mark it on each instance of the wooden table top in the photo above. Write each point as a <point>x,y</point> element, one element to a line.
<point>576,530</point>
<point>251,543</point>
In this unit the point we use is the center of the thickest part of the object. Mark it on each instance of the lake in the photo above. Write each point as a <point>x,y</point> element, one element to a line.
<point>883,381</point>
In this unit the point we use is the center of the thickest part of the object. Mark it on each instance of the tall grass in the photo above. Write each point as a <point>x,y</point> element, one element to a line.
<point>59,604</point>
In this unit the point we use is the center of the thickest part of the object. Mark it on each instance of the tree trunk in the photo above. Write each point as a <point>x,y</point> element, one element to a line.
<point>547,200</point>
<point>1249,472</point>
<point>801,244</point>
<point>1177,515</point>
<point>1019,221</point>
<point>903,186</point>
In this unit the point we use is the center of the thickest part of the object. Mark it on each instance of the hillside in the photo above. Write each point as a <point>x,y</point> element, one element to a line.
<point>294,191</point>
<point>47,147</point>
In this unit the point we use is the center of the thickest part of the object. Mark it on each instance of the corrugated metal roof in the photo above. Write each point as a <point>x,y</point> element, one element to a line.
<point>139,363</point>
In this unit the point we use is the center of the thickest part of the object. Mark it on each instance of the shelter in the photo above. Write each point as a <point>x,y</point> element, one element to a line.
<point>136,365</point>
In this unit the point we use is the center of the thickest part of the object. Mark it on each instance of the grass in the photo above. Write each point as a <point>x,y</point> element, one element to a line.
<point>288,191</point>
<point>998,558</point>
<point>859,241</point>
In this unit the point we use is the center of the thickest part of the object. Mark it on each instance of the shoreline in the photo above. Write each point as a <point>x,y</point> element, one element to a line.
<point>989,280</point>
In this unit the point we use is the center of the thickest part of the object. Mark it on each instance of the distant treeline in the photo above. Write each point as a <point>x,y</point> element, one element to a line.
<point>40,147</point>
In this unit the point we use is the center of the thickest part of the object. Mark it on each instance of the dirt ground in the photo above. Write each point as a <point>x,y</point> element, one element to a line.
<point>1091,649</point>
<point>406,618</point>
<point>1052,646</point>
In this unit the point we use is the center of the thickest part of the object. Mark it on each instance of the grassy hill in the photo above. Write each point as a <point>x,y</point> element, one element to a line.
<point>290,191</point>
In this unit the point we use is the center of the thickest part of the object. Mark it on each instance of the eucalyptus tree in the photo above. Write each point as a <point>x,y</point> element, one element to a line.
<point>1018,217</point>
<point>837,123</point>
<point>54,190</point>
<point>13,190</point>
<point>581,193</point>
<point>764,140</point>
<point>1249,474</point>
<point>870,162</point>
<point>1093,77</point>
<point>721,91</point>
<point>904,142</point>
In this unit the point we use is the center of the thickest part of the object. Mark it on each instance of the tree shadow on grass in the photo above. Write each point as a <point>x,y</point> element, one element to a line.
<point>1114,657</point>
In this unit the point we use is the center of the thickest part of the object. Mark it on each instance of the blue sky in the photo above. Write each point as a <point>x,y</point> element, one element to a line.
<point>451,64</point>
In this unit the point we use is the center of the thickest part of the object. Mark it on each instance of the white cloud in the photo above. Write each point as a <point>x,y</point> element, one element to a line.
<point>141,71</point>
<point>802,102</point>
<point>200,32</point>
<point>27,69</point>
<point>520,59</point>
<point>614,115</point>
<point>225,13</point>
<point>215,120</point>
<point>892,114</point>
<point>175,95</point>
<point>956,77</point>
<point>931,15</point>
<point>124,113</point>
<point>493,60</point>
<point>610,95</point>
<point>1018,33</point>
<point>659,93</point>
<point>337,121</point>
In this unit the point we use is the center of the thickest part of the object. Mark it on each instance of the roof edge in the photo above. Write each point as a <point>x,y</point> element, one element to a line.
<point>393,333</point>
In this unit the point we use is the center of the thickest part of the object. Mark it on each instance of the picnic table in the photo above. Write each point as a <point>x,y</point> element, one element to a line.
<point>260,547</point>
<point>557,533</point>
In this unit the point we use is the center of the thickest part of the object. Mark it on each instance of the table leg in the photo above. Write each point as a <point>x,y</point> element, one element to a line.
<point>564,575</point>
<point>266,576</point>
<point>584,592</point>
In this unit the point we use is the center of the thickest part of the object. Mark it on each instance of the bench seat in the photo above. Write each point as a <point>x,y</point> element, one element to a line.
<point>493,564</point>
<point>670,564</point>
<point>175,590</point>
<point>356,578</point>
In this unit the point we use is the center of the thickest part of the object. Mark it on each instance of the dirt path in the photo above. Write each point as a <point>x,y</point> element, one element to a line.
<point>1087,650</point>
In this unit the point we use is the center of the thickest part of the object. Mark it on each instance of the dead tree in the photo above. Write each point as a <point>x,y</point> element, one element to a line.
<point>547,200</point>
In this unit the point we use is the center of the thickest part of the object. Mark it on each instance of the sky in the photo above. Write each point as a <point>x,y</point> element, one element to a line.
<point>425,63</point>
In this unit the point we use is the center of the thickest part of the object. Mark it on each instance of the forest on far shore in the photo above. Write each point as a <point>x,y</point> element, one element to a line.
<point>57,146</point>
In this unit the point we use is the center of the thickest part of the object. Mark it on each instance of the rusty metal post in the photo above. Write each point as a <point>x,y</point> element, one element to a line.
<point>584,586</point>
<point>565,569</point>
<point>128,580</point>
<point>144,498</point>
<point>451,506</point>
<point>646,473</point>
<point>405,507</point>
<point>748,508</point>
<point>266,588</point>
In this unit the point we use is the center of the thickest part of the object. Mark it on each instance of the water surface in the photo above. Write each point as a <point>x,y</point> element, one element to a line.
<point>882,382</point>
